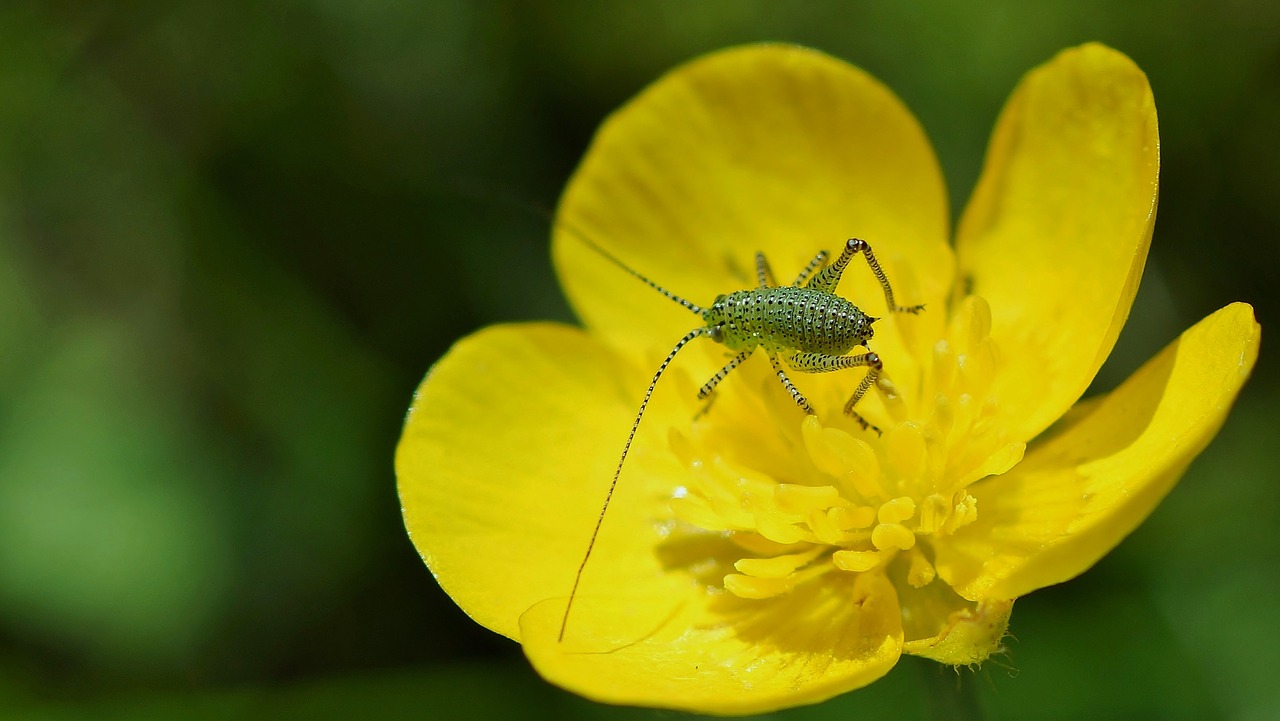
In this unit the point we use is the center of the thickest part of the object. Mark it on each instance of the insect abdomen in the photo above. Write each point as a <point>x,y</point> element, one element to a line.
<point>789,319</point>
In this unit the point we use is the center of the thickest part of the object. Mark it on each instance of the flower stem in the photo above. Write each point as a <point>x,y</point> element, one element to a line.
<point>949,693</point>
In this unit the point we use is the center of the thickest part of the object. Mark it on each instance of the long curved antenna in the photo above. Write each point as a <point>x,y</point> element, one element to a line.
<point>564,622</point>
<point>571,230</point>
<point>487,195</point>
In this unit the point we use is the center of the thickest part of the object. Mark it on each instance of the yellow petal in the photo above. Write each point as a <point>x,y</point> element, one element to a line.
<point>721,654</point>
<point>1079,492</point>
<point>1056,234</point>
<point>768,148</point>
<point>503,464</point>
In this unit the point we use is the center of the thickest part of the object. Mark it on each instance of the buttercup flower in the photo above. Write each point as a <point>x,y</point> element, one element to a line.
<point>755,557</point>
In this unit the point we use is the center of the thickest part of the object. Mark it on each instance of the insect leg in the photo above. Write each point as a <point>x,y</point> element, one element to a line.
<point>764,274</point>
<point>796,395</point>
<point>830,276</point>
<point>813,265</point>
<point>613,485</point>
<point>710,385</point>
<point>820,363</point>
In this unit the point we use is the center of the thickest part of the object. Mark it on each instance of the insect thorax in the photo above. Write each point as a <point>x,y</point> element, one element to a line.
<point>787,318</point>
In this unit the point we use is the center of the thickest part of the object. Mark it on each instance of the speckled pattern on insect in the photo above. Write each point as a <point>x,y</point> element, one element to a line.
<point>806,325</point>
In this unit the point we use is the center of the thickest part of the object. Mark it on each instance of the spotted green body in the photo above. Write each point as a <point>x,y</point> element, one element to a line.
<point>785,319</point>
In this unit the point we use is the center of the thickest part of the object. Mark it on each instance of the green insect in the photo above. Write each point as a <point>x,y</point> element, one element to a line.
<point>805,324</point>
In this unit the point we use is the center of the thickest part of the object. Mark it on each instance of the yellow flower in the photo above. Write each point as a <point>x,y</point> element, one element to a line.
<point>755,557</point>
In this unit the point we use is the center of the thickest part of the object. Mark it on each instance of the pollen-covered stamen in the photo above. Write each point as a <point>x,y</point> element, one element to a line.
<point>890,531</point>
<point>767,577</point>
<point>957,403</point>
<point>920,572</point>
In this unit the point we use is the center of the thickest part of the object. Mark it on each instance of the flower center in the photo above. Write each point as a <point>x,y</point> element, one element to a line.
<point>802,502</point>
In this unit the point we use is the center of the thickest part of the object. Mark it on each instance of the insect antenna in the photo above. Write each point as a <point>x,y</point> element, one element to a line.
<point>543,212</point>
<point>616,261</point>
<point>573,592</point>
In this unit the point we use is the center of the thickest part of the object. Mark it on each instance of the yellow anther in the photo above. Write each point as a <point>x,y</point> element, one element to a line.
<point>859,561</point>
<point>897,510</point>
<point>792,498</point>
<point>776,567</point>
<point>757,588</point>
<point>758,545</point>
<point>775,528</point>
<point>824,530</point>
<point>892,535</point>
<point>849,518</point>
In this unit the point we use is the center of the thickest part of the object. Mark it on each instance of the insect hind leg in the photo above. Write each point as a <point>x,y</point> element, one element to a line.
<point>822,363</point>
<point>764,274</point>
<point>817,262</point>
<point>830,276</point>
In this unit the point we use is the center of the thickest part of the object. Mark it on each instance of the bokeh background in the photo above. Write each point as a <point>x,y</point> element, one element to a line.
<point>235,235</point>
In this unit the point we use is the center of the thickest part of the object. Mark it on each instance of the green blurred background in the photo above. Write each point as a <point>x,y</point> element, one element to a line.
<point>234,236</point>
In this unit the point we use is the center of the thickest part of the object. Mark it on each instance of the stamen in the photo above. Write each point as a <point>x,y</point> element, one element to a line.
<point>920,573</point>
<point>850,460</point>
<point>778,529</point>
<point>860,561</point>
<point>759,545</point>
<point>944,365</point>
<point>897,510</point>
<point>892,535</point>
<point>792,498</point>
<point>935,510</point>
<point>757,588</point>
<point>778,566</point>
<point>848,518</point>
<point>825,530</point>
<point>907,456</point>
<point>895,404</point>
<point>770,577</point>
<point>965,512</point>
<point>852,501</point>
<point>976,358</point>
<point>944,415</point>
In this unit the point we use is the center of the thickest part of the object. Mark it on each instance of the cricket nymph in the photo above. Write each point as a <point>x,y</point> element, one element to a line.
<point>782,319</point>
<point>805,324</point>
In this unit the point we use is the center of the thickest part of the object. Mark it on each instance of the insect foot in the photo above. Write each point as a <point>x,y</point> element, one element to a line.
<point>852,247</point>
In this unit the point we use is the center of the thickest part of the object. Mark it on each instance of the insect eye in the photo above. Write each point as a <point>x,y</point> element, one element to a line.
<point>716,333</point>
